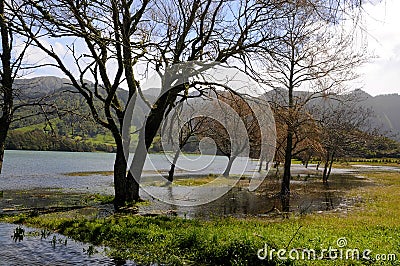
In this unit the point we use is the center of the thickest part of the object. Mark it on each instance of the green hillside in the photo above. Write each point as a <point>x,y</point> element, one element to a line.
<point>65,123</point>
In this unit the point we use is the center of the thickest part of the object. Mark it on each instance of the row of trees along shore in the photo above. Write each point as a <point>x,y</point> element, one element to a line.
<point>282,44</point>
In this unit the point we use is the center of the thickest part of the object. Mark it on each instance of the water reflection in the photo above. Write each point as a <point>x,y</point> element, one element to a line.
<point>328,197</point>
<point>26,246</point>
<point>306,196</point>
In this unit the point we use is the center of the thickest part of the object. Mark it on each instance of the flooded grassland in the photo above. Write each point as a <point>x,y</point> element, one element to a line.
<point>360,204</point>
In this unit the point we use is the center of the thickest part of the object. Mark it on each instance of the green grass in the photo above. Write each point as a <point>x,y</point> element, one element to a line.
<point>378,162</point>
<point>108,139</point>
<point>295,161</point>
<point>40,126</point>
<point>102,139</point>
<point>373,224</point>
<point>100,198</point>
<point>203,180</point>
<point>196,181</point>
<point>99,139</point>
<point>199,180</point>
<point>360,161</point>
<point>372,162</point>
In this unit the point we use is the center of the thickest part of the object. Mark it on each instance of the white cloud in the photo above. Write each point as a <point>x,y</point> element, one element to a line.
<point>34,57</point>
<point>382,74</point>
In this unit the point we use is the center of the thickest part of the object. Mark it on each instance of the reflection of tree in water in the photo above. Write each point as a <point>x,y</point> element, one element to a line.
<point>320,198</point>
<point>328,197</point>
<point>238,201</point>
<point>230,204</point>
<point>285,202</point>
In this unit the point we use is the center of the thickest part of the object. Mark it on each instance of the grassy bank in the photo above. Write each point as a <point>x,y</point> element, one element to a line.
<point>373,224</point>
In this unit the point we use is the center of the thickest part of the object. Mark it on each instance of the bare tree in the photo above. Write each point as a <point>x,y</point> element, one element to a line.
<point>188,131</point>
<point>7,73</point>
<point>190,126</point>
<point>345,128</point>
<point>112,37</point>
<point>312,48</point>
<point>246,142</point>
<point>12,65</point>
<point>305,138</point>
<point>105,35</point>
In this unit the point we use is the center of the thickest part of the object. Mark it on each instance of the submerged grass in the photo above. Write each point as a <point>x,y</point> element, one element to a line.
<point>203,180</point>
<point>373,224</point>
<point>198,180</point>
<point>103,173</point>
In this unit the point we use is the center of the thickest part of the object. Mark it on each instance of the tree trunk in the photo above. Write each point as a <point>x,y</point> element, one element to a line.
<point>285,188</point>
<point>330,165</point>
<point>229,166</point>
<point>324,178</point>
<point>285,201</point>
<point>260,165</point>
<point>120,179</point>
<point>172,169</point>
<point>125,185</point>
<point>325,174</point>
<point>3,135</point>
<point>139,158</point>
<point>132,184</point>
<point>276,166</point>
<point>136,168</point>
<point>6,81</point>
<point>132,188</point>
<point>146,137</point>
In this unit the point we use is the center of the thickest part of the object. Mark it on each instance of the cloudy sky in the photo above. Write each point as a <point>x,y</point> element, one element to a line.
<point>382,26</point>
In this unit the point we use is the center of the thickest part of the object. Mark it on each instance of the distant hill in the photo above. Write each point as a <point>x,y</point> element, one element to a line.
<point>386,108</point>
<point>41,86</point>
<point>62,129</point>
<point>85,131</point>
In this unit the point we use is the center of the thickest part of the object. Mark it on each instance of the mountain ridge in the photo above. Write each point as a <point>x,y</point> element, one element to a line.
<point>385,106</point>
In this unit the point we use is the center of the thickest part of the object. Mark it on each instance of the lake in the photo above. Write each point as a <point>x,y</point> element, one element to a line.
<point>38,171</point>
<point>24,170</point>
<point>47,169</point>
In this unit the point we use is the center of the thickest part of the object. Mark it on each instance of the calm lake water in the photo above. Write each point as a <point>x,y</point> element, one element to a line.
<point>46,169</point>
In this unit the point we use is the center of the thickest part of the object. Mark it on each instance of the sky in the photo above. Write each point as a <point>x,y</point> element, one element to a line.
<point>380,27</point>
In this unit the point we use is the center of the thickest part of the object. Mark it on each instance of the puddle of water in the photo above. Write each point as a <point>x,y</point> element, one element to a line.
<point>17,200</point>
<point>51,250</point>
<point>306,196</point>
